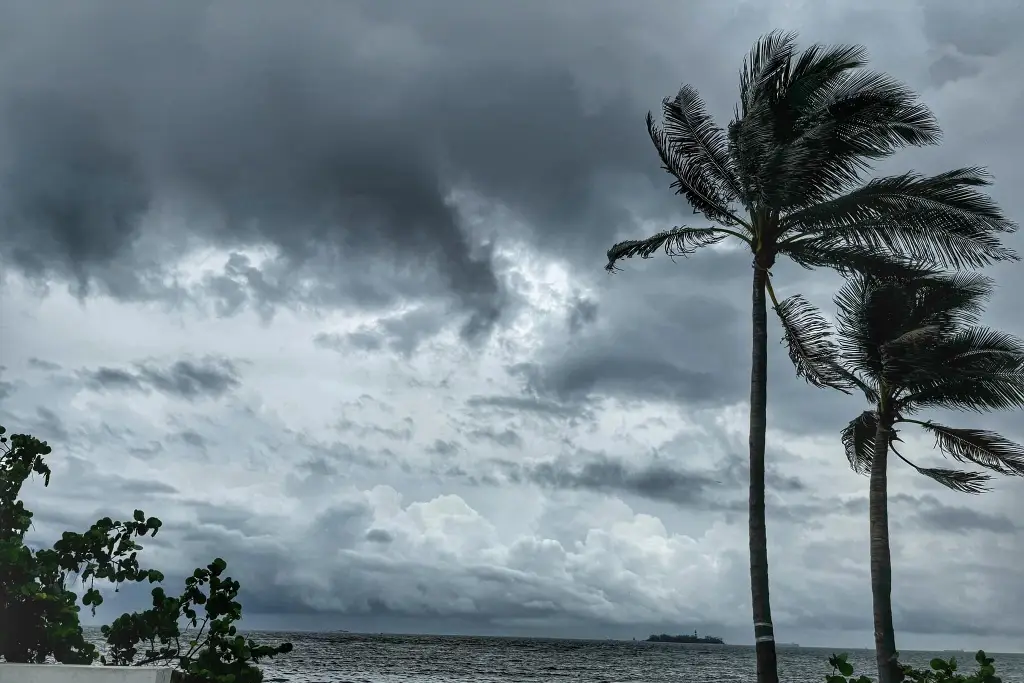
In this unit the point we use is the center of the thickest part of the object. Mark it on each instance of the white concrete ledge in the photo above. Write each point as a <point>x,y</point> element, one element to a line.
<point>74,673</point>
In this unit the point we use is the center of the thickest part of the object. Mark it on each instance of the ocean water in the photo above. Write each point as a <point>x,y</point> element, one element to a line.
<point>359,658</point>
<point>351,658</point>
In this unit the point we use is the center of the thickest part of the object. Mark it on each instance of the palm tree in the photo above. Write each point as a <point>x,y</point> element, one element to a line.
<point>908,345</point>
<point>785,180</point>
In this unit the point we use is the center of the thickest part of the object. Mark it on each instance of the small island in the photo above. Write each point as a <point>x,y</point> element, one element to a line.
<point>704,640</point>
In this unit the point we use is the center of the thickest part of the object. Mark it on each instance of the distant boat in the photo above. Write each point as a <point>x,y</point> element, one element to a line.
<point>787,645</point>
<point>703,640</point>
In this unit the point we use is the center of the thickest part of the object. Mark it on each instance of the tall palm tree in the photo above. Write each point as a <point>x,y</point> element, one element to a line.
<point>785,180</point>
<point>909,345</point>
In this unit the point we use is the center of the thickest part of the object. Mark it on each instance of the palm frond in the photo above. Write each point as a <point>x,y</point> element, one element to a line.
<point>849,259</point>
<point>752,132</point>
<point>693,134</point>
<point>973,369</point>
<point>765,69</point>
<point>850,118</point>
<point>958,480</point>
<point>858,439</point>
<point>949,300</point>
<point>680,241</point>
<point>855,380</point>
<point>691,179</point>
<point>808,337</point>
<point>817,70</point>
<point>987,449</point>
<point>898,322</point>
<point>939,218</point>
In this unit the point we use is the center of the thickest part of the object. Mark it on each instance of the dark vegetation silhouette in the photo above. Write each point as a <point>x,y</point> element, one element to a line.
<point>939,671</point>
<point>785,179</point>
<point>39,611</point>
<point>666,638</point>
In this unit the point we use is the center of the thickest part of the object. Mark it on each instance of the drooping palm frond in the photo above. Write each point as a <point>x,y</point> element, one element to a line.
<point>859,441</point>
<point>957,480</point>
<point>941,218</point>
<point>808,337</point>
<point>962,481</point>
<point>987,449</point>
<point>680,241</point>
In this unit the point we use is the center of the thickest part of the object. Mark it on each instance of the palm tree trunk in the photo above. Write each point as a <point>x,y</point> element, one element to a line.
<point>881,564</point>
<point>764,635</point>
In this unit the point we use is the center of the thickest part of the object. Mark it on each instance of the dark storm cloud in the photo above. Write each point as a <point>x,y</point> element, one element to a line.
<point>334,132</point>
<point>925,512</point>
<point>674,348</point>
<point>935,515</point>
<point>188,379</point>
<point>712,489</point>
<point>243,116</point>
<point>657,482</point>
<point>971,32</point>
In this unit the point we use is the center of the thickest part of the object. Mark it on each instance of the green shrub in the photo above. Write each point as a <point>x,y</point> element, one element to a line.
<point>940,671</point>
<point>39,615</point>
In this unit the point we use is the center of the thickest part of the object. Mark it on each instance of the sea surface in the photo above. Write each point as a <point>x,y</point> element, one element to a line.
<point>355,658</point>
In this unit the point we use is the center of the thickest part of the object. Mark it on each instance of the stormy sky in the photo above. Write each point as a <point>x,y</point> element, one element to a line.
<point>320,285</point>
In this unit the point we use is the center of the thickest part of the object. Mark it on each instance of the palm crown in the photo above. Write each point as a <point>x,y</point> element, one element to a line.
<point>785,179</point>
<point>914,343</point>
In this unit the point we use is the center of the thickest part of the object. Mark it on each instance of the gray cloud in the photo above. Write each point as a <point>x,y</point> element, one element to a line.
<point>934,515</point>
<point>505,437</point>
<point>657,479</point>
<point>40,364</point>
<point>401,334</point>
<point>512,405</point>
<point>188,379</point>
<point>601,474</point>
